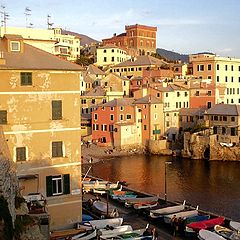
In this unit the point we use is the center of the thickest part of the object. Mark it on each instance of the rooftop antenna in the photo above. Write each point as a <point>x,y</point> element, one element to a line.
<point>4,18</point>
<point>48,21</point>
<point>27,14</point>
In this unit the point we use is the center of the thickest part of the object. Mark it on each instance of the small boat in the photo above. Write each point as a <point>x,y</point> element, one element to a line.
<point>208,235</point>
<point>126,198</point>
<point>86,218</point>
<point>131,202</point>
<point>197,219</point>
<point>235,226</point>
<point>85,236</point>
<point>156,213</point>
<point>206,224</point>
<point>226,233</point>
<point>62,234</point>
<point>105,209</point>
<point>113,232</point>
<point>145,205</point>
<point>183,214</point>
<point>103,223</point>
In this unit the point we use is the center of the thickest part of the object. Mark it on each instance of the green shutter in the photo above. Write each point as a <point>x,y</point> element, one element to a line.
<point>49,186</point>
<point>66,183</point>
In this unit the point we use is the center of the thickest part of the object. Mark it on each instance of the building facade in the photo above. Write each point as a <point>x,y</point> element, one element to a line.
<point>40,117</point>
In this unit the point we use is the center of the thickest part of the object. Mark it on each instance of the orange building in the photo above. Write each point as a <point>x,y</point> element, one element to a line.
<point>137,40</point>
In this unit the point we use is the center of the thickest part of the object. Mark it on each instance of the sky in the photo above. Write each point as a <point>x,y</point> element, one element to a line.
<point>184,26</point>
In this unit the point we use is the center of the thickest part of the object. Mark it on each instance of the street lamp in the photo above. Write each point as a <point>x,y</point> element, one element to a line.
<point>165,187</point>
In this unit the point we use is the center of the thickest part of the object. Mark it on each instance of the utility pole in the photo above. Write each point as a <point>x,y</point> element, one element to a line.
<point>49,24</point>
<point>27,14</point>
<point>4,18</point>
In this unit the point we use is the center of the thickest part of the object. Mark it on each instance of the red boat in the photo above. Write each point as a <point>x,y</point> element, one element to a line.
<point>206,224</point>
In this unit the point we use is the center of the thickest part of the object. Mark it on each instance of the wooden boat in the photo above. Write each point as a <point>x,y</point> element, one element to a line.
<point>67,233</point>
<point>126,197</point>
<point>113,232</point>
<point>145,205</point>
<point>86,236</point>
<point>86,218</point>
<point>104,209</point>
<point>197,219</point>
<point>131,202</point>
<point>206,224</point>
<point>103,223</point>
<point>183,214</point>
<point>208,235</point>
<point>235,226</point>
<point>156,213</point>
<point>226,233</point>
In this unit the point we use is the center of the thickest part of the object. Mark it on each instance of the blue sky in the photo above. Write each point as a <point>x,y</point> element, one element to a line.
<point>185,26</point>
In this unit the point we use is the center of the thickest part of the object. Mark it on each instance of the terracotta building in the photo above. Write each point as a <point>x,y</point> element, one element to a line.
<point>137,40</point>
<point>40,117</point>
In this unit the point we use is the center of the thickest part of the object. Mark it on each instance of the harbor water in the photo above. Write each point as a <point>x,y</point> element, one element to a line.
<point>214,186</point>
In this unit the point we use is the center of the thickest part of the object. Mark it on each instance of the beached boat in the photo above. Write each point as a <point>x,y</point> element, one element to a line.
<point>62,234</point>
<point>206,224</point>
<point>235,226</point>
<point>157,213</point>
<point>130,202</point>
<point>104,209</point>
<point>226,233</point>
<point>86,218</point>
<point>113,232</point>
<point>144,205</point>
<point>126,197</point>
<point>183,215</point>
<point>197,219</point>
<point>208,235</point>
<point>102,223</point>
<point>85,236</point>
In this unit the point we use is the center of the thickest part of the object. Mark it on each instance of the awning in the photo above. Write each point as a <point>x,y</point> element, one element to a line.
<point>27,177</point>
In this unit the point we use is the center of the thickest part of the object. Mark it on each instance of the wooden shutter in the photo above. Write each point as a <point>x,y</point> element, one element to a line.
<point>3,117</point>
<point>66,183</point>
<point>21,153</point>
<point>57,110</point>
<point>57,149</point>
<point>49,186</point>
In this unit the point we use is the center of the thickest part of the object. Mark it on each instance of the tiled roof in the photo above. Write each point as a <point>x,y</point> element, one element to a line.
<point>224,109</point>
<point>97,91</point>
<point>149,99</point>
<point>119,102</point>
<point>145,60</point>
<point>34,59</point>
<point>192,111</point>
<point>92,69</point>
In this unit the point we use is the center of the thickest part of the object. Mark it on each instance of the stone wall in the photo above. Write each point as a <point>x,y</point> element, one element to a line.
<point>158,147</point>
<point>8,179</point>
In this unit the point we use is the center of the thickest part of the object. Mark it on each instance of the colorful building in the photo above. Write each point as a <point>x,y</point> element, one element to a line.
<point>137,40</point>
<point>40,117</point>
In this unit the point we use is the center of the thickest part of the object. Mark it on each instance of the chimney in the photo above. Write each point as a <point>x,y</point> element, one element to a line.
<point>114,34</point>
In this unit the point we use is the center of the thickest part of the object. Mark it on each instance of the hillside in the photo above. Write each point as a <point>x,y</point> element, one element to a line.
<point>172,56</point>
<point>84,38</point>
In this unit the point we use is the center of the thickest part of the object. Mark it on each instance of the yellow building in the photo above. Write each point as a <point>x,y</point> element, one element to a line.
<point>110,55</point>
<point>225,73</point>
<point>50,40</point>
<point>40,116</point>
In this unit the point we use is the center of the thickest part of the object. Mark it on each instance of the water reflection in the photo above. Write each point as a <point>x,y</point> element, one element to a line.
<point>214,186</point>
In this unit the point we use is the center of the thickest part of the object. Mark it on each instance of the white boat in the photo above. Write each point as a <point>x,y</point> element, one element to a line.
<point>138,206</point>
<point>85,236</point>
<point>105,209</point>
<point>183,214</point>
<point>126,198</point>
<point>113,232</point>
<point>208,235</point>
<point>130,202</point>
<point>235,226</point>
<point>226,232</point>
<point>156,213</point>
<point>103,223</point>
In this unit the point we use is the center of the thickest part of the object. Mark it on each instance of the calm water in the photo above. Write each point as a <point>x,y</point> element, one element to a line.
<point>214,186</point>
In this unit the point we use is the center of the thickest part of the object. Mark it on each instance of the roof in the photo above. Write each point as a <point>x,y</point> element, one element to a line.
<point>145,60</point>
<point>192,111</point>
<point>33,58</point>
<point>117,102</point>
<point>149,99</point>
<point>13,36</point>
<point>97,91</point>
<point>224,109</point>
<point>110,45</point>
<point>92,69</point>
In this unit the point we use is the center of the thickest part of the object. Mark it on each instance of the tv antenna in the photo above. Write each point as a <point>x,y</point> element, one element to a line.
<point>4,18</point>
<point>48,21</point>
<point>27,14</point>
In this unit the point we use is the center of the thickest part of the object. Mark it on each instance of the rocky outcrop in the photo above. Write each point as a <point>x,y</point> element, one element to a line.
<point>159,147</point>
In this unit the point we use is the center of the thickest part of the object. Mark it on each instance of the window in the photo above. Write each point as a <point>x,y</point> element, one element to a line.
<point>209,93</point>
<point>57,149</point>
<point>104,50</point>
<point>209,67</point>
<point>113,50</point>
<point>217,66</point>
<point>197,93</point>
<point>111,128</point>
<point>57,185</point>
<point>111,117</point>
<point>95,116</point>
<point>233,119</point>
<point>226,79</point>
<point>226,67</point>
<point>111,108</point>
<point>56,110</point>
<point>21,154</point>
<point>26,78</point>
<point>217,78</point>
<point>224,118</point>
<point>178,94</point>
<point>121,108</point>
<point>232,68</point>
<point>215,118</point>
<point>145,127</point>
<point>129,116</point>
<point>15,46</point>
<point>185,94</point>
<point>200,68</point>
<point>121,117</point>
<point>176,104</point>
<point>93,101</point>
<point>105,59</point>
<point>231,79</point>
<point>3,117</point>
<point>166,94</point>
<point>112,59</point>
<point>209,105</point>
<point>223,130</point>
<point>104,127</point>
<point>233,131</point>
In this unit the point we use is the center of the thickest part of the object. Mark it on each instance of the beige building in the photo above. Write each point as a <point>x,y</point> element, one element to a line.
<point>110,55</point>
<point>49,40</point>
<point>225,73</point>
<point>40,117</point>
